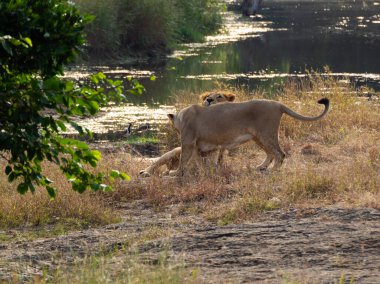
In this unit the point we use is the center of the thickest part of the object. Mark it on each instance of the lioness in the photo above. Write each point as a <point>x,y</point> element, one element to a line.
<point>225,126</point>
<point>171,158</point>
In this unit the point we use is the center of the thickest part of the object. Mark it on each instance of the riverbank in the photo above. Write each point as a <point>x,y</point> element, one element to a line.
<point>134,28</point>
<point>334,160</point>
<point>284,41</point>
<point>329,180</point>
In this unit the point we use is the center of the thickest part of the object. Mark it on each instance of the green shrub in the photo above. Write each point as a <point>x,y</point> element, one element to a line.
<point>103,34</point>
<point>147,27</point>
<point>37,38</point>
<point>197,18</point>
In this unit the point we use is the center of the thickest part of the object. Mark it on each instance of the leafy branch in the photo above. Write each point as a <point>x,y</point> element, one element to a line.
<point>36,105</point>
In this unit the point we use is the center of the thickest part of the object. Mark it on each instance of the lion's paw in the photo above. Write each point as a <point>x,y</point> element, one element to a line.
<point>144,174</point>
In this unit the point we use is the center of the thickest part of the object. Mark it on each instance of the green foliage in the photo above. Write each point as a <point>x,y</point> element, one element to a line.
<point>37,38</point>
<point>148,26</point>
<point>197,18</point>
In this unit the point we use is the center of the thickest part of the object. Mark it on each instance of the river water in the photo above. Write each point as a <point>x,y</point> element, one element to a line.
<point>287,39</point>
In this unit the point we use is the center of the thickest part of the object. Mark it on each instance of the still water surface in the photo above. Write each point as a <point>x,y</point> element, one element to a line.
<point>285,40</point>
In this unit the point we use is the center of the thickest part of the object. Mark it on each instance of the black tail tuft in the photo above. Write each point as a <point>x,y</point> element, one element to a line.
<point>324,101</point>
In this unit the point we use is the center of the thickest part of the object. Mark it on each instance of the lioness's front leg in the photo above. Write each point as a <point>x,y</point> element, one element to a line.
<point>170,159</point>
<point>220,159</point>
<point>186,153</point>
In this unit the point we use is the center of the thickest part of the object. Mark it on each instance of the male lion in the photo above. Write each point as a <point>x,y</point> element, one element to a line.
<point>225,126</point>
<point>171,158</point>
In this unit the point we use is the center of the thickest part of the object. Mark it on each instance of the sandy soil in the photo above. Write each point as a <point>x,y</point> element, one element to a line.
<point>319,245</point>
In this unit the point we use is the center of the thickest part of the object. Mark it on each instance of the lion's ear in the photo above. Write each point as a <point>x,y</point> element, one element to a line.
<point>230,97</point>
<point>203,96</point>
<point>171,117</point>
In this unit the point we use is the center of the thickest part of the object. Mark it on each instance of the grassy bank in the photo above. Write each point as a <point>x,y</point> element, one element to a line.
<point>334,161</point>
<point>147,27</point>
<point>331,162</point>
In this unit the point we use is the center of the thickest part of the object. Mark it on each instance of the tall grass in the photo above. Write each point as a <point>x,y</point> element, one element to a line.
<point>334,161</point>
<point>147,27</point>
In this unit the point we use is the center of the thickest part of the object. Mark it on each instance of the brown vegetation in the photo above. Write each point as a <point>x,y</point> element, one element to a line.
<point>334,161</point>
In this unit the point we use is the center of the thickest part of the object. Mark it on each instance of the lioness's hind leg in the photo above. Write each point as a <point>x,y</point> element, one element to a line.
<point>279,155</point>
<point>273,150</point>
<point>170,159</point>
<point>279,159</point>
<point>269,158</point>
<point>265,164</point>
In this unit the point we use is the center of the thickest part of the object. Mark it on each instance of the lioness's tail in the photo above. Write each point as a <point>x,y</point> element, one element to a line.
<point>324,101</point>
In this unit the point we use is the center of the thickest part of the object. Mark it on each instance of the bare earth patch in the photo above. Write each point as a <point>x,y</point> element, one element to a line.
<point>316,245</point>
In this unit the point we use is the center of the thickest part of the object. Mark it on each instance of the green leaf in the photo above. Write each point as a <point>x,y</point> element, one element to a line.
<point>72,142</point>
<point>51,191</point>
<point>22,188</point>
<point>61,125</point>
<point>79,144</point>
<point>8,170</point>
<point>6,46</point>
<point>32,188</point>
<point>77,127</point>
<point>101,76</point>
<point>53,83</point>
<point>104,187</point>
<point>124,176</point>
<point>152,78</point>
<point>28,41</point>
<point>93,107</point>
<point>96,154</point>
<point>12,176</point>
<point>114,174</point>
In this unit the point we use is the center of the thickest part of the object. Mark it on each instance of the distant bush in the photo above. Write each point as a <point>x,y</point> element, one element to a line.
<point>103,34</point>
<point>197,18</point>
<point>147,27</point>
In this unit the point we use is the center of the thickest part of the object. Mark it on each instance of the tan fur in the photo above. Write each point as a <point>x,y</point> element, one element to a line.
<point>171,158</point>
<point>212,98</point>
<point>225,126</point>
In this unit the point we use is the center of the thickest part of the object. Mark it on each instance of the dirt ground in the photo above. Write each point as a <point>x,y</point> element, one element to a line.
<point>315,245</point>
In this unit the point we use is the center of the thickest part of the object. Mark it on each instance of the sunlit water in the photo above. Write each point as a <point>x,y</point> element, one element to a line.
<point>285,40</point>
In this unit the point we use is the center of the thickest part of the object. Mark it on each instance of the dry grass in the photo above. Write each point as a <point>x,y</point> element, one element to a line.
<point>121,268</point>
<point>70,209</point>
<point>334,161</point>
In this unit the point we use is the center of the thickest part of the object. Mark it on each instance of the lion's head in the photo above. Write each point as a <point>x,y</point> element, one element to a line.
<point>211,98</point>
